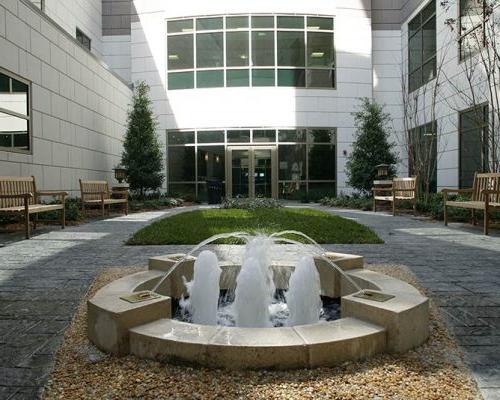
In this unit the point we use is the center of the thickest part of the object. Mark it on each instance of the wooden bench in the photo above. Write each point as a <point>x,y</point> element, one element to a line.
<point>485,196</point>
<point>97,193</point>
<point>402,189</point>
<point>18,195</point>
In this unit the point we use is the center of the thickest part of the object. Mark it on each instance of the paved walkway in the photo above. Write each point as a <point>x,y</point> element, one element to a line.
<point>43,280</point>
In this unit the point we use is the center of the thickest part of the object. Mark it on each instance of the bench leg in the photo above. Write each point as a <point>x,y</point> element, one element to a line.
<point>126,208</point>
<point>473,220</point>
<point>27,223</point>
<point>486,221</point>
<point>415,207</point>
<point>63,217</point>
<point>102,209</point>
<point>374,205</point>
<point>394,207</point>
<point>445,214</point>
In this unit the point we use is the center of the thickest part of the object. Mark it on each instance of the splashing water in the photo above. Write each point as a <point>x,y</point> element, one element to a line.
<point>302,298</point>
<point>204,289</point>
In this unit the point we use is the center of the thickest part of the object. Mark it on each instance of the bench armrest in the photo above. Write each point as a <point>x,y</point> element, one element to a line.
<point>449,190</point>
<point>16,196</point>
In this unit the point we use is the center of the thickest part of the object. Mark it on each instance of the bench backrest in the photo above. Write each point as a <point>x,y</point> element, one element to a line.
<point>486,181</point>
<point>407,187</point>
<point>90,190</point>
<point>16,185</point>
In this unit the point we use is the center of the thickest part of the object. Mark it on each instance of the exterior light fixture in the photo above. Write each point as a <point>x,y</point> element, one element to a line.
<point>119,173</point>
<point>382,170</point>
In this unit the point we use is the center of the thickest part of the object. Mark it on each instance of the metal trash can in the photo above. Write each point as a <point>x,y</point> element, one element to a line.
<point>214,191</point>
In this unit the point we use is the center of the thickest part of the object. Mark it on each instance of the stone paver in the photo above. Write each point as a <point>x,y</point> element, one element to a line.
<point>43,280</point>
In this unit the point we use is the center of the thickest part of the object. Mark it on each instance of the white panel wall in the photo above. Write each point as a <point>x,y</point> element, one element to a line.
<point>387,84</point>
<point>116,53</point>
<point>79,107</point>
<point>84,14</point>
<point>253,107</point>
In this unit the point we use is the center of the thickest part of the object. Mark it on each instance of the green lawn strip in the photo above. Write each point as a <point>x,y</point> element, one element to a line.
<point>195,226</point>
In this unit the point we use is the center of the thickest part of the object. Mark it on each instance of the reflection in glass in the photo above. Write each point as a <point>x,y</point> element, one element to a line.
<point>237,49</point>
<point>290,22</point>
<point>238,136</point>
<point>210,136</point>
<point>181,163</point>
<point>182,25</point>
<point>240,165</point>
<point>319,23</point>
<point>320,78</point>
<point>263,77</point>
<point>210,79</point>
<point>181,80</point>
<point>14,121</point>
<point>292,135</point>
<point>180,52</point>
<point>209,24</point>
<point>264,135</point>
<point>211,162</point>
<point>292,162</point>
<point>264,22</point>
<point>263,173</point>
<point>14,132</point>
<point>291,49</point>
<point>322,162</point>
<point>263,48</point>
<point>237,77</point>
<point>292,77</point>
<point>320,49</point>
<point>321,135</point>
<point>209,50</point>
<point>236,22</point>
<point>176,137</point>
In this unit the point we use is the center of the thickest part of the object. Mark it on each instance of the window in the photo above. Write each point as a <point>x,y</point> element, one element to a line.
<point>14,113</point>
<point>423,145</point>
<point>422,47</point>
<point>259,51</point>
<point>83,39</point>
<point>472,24</point>
<point>473,144</point>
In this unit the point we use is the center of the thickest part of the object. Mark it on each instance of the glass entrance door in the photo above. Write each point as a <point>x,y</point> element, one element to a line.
<point>252,172</point>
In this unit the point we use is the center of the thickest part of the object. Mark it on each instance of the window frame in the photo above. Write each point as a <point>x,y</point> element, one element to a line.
<point>27,117</point>
<point>250,67</point>
<point>423,61</point>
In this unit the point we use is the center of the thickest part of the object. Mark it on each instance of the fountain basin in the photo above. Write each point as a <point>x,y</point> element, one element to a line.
<point>367,327</point>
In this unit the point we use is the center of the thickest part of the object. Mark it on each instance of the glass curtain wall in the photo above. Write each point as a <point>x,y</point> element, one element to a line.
<point>306,159</point>
<point>243,51</point>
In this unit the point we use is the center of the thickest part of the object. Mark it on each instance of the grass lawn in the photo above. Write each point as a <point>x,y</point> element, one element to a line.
<point>195,226</point>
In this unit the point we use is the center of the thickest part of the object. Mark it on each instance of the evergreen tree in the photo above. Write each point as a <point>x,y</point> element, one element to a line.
<point>142,157</point>
<point>371,146</point>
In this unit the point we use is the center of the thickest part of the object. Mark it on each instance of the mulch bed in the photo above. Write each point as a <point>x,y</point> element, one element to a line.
<point>432,371</point>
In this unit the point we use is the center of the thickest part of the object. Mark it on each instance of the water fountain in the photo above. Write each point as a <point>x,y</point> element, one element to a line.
<point>277,306</point>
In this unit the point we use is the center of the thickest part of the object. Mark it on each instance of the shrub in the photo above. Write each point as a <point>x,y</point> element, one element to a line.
<point>344,201</point>
<point>244,203</point>
<point>154,203</point>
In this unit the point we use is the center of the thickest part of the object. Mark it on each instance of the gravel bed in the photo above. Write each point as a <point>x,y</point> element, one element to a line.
<point>433,371</point>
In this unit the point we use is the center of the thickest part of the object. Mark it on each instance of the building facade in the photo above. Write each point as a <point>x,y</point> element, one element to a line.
<point>256,95</point>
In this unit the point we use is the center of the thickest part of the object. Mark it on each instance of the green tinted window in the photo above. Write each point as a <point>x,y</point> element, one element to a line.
<point>238,136</point>
<point>180,80</point>
<point>320,51</point>
<point>180,52</point>
<point>292,135</point>
<point>321,78</point>
<point>19,87</point>
<point>263,77</point>
<point>237,49</point>
<point>237,77</point>
<point>236,22</point>
<point>180,137</point>
<point>209,79</point>
<point>208,24</point>
<point>263,48</point>
<point>263,22</point>
<point>4,83</point>
<point>209,50</point>
<point>292,77</point>
<point>182,25</point>
<point>264,135</point>
<point>210,136</point>
<point>291,49</point>
<point>318,23</point>
<point>291,22</point>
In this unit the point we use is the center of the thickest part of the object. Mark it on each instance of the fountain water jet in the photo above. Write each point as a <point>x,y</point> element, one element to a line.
<point>204,289</point>
<point>303,298</point>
